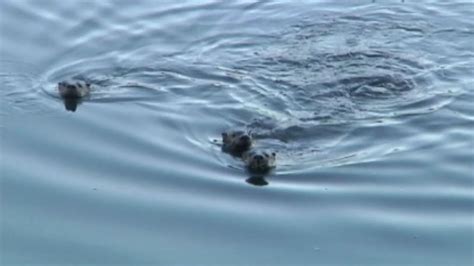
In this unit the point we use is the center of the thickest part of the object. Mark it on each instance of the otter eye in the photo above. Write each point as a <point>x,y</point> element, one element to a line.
<point>274,154</point>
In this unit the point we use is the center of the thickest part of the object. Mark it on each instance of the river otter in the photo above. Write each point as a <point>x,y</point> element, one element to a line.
<point>259,160</point>
<point>72,92</point>
<point>73,89</point>
<point>236,142</point>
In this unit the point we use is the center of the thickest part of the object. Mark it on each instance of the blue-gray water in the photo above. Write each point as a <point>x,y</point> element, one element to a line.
<point>368,104</point>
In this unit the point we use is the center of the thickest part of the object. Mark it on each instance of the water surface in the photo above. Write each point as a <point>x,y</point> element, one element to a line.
<point>368,106</point>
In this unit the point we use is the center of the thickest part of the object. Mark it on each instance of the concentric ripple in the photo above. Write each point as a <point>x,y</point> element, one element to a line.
<point>368,105</point>
<point>310,92</point>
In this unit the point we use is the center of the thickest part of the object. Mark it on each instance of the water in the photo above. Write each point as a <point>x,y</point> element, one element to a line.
<point>367,103</point>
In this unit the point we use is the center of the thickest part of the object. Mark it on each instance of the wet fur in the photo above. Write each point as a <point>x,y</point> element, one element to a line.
<point>72,92</point>
<point>73,89</point>
<point>257,160</point>
<point>236,142</point>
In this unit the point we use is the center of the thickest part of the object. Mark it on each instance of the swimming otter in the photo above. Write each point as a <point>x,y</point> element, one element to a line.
<point>236,142</point>
<point>73,89</point>
<point>72,92</point>
<point>259,160</point>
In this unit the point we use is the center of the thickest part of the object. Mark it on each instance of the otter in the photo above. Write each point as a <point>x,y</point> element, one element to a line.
<point>72,92</point>
<point>73,89</point>
<point>260,161</point>
<point>239,143</point>
<point>236,142</point>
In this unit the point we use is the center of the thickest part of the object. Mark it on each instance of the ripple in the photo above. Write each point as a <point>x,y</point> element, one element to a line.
<point>369,106</point>
<point>321,76</point>
<point>21,87</point>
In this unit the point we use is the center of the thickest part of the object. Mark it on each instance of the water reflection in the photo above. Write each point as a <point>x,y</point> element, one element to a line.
<point>258,177</point>
<point>70,103</point>
<point>257,180</point>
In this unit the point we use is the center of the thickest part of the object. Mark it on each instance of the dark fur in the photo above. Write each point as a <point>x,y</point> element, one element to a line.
<point>236,142</point>
<point>259,161</point>
<point>73,89</point>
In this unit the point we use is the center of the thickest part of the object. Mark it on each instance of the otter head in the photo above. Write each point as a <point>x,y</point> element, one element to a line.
<point>236,141</point>
<point>259,161</point>
<point>73,89</point>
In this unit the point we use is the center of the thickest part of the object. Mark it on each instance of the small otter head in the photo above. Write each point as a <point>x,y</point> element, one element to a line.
<point>236,141</point>
<point>73,89</point>
<point>259,161</point>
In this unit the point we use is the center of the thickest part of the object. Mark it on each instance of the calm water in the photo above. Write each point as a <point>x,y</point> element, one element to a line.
<point>368,104</point>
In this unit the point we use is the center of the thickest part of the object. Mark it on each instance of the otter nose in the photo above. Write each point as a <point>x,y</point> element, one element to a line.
<point>245,138</point>
<point>258,157</point>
